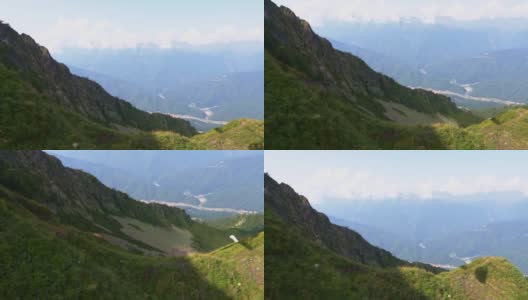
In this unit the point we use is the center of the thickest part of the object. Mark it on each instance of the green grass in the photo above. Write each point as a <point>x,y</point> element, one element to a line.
<point>507,130</point>
<point>165,239</point>
<point>244,134</point>
<point>491,112</point>
<point>47,260</point>
<point>250,223</point>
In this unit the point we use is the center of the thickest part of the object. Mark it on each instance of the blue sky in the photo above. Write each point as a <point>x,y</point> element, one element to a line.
<point>379,175</point>
<point>120,23</point>
<point>318,12</point>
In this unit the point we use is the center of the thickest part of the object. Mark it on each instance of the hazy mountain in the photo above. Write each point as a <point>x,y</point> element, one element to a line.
<point>181,81</point>
<point>420,44</point>
<point>214,179</point>
<point>157,68</point>
<point>480,59</point>
<point>443,230</point>
<point>74,236</point>
<point>309,257</point>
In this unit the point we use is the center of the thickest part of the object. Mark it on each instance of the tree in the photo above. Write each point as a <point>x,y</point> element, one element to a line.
<point>482,274</point>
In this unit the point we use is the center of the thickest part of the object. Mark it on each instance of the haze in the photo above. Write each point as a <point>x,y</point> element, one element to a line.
<point>120,24</point>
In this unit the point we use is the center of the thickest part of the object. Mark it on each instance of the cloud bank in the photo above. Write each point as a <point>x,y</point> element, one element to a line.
<point>320,11</point>
<point>84,33</point>
<point>341,184</point>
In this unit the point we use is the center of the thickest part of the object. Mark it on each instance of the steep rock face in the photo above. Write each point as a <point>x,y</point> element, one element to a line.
<point>295,210</point>
<point>22,54</point>
<point>292,41</point>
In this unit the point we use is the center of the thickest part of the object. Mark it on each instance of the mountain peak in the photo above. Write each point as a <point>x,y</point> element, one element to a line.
<point>6,32</point>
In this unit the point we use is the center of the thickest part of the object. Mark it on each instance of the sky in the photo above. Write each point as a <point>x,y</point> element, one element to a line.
<point>381,175</point>
<point>319,12</point>
<point>60,24</point>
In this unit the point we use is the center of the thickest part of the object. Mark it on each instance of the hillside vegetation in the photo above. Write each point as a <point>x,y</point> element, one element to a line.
<point>507,130</point>
<point>42,260</point>
<point>304,263</point>
<point>250,223</point>
<point>64,234</point>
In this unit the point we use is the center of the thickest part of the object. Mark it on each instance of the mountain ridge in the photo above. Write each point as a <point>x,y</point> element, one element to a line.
<point>340,71</point>
<point>318,228</point>
<point>21,52</point>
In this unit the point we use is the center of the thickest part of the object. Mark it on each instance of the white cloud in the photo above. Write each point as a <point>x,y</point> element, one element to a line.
<point>341,183</point>
<point>319,11</point>
<point>84,33</point>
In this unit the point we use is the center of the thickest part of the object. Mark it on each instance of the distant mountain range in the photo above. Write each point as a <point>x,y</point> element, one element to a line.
<point>69,235</point>
<point>419,43</point>
<point>45,106</point>
<point>317,97</point>
<point>226,82</point>
<point>309,257</point>
<point>231,180</point>
<point>481,59</point>
<point>442,231</point>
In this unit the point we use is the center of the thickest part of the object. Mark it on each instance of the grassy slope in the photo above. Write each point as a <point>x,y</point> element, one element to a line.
<point>30,120</point>
<point>300,116</point>
<point>240,134</point>
<point>508,130</point>
<point>243,223</point>
<point>300,269</point>
<point>42,259</point>
<point>30,191</point>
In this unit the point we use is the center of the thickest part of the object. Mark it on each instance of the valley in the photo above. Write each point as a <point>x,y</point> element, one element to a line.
<point>219,183</point>
<point>492,67</point>
<point>206,83</point>
<point>479,225</point>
